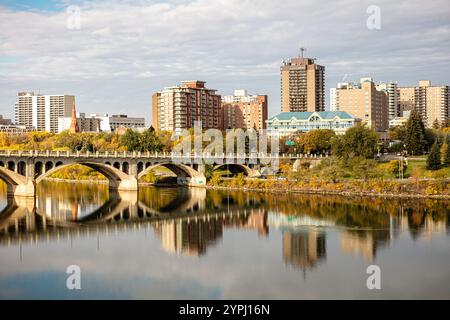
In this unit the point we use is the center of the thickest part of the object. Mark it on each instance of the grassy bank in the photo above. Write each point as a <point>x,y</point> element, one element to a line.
<point>436,188</point>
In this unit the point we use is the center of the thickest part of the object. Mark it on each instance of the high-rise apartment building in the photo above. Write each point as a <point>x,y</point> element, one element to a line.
<point>42,111</point>
<point>244,111</point>
<point>392,93</point>
<point>406,99</point>
<point>111,123</point>
<point>365,102</point>
<point>432,102</point>
<point>176,108</point>
<point>334,94</point>
<point>333,100</point>
<point>302,85</point>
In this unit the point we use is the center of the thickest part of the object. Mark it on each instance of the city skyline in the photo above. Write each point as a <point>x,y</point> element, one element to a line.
<point>115,66</point>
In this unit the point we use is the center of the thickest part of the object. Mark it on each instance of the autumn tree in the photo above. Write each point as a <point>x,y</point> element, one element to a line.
<point>316,141</point>
<point>395,167</point>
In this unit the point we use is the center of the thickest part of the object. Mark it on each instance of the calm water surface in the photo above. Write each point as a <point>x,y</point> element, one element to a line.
<point>178,243</point>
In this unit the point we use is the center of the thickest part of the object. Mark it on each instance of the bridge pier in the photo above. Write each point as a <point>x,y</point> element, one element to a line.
<point>22,190</point>
<point>129,184</point>
<point>197,180</point>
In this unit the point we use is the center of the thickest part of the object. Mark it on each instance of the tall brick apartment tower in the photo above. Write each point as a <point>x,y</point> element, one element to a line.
<point>179,107</point>
<point>302,85</point>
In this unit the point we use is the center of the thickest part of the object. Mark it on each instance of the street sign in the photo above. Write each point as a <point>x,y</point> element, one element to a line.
<point>289,143</point>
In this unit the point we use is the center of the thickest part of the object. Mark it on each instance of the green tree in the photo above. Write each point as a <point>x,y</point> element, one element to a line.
<point>446,162</point>
<point>358,141</point>
<point>131,140</point>
<point>434,158</point>
<point>430,137</point>
<point>149,141</point>
<point>415,134</point>
<point>398,133</point>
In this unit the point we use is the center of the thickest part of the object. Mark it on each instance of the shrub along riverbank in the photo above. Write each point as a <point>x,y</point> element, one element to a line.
<point>432,188</point>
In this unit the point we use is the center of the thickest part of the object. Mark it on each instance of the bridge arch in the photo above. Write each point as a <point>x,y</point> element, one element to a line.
<point>11,165</point>
<point>38,168</point>
<point>22,168</point>
<point>236,168</point>
<point>48,166</point>
<point>184,173</point>
<point>140,167</point>
<point>114,175</point>
<point>16,183</point>
<point>126,167</point>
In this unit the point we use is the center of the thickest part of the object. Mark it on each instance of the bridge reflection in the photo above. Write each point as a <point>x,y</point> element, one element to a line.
<point>189,221</point>
<point>183,219</point>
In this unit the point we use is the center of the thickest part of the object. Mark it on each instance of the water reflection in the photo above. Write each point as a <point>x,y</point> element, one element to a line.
<point>192,221</point>
<point>304,249</point>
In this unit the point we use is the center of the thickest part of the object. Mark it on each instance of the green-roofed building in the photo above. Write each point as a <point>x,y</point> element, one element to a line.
<point>287,123</point>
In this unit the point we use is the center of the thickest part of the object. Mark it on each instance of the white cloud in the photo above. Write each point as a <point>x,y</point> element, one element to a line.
<point>126,49</point>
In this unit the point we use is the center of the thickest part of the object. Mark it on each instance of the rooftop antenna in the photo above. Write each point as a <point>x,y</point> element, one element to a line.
<point>302,49</point>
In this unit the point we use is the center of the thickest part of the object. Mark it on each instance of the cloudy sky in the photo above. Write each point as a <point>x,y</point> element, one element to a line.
<point>123,51</point>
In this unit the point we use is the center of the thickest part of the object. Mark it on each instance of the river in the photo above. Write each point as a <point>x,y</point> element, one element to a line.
<point>180,243</point>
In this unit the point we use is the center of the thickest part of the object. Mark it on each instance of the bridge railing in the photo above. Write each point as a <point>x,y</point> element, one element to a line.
<point>134,154</point>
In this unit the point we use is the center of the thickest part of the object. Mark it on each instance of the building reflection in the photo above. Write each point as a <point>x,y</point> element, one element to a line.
<point>189,237</point>
<point>364,243</point>
<point>304,249</point>
<point>192,236</point>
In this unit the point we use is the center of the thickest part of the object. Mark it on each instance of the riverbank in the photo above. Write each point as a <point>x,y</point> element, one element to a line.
<point>431,189</point>
<point>336,193</point>
<point>388,188</point>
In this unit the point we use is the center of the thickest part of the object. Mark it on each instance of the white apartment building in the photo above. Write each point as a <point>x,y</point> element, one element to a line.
<point>239,96</point>
<point>432,102</point>
<point>392,93</point>
<point>84,124</point>
<point>333,100</point>
<point>111,123</point>
<point>42,111</point>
